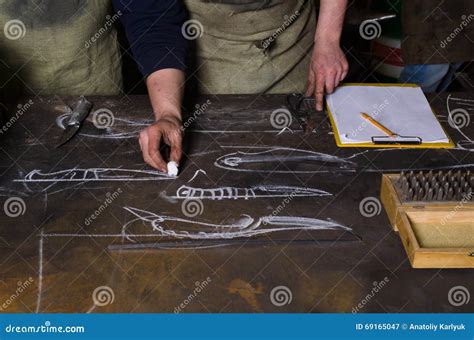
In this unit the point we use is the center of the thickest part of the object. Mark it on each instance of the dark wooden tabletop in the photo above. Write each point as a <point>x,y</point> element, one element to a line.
<point>90,227</point>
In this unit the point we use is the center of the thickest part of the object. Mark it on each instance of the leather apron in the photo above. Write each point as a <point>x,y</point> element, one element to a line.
<point>252,46</point>
<point>59,47</point>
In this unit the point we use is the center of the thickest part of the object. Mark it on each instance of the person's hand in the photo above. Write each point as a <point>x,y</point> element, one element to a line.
<point>327,69</point>
<point>168,130</point>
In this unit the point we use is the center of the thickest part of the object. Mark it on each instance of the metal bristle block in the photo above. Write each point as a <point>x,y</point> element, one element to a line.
<point>436,186</point>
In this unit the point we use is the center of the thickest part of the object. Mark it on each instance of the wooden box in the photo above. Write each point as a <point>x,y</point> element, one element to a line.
<point>434,234</point>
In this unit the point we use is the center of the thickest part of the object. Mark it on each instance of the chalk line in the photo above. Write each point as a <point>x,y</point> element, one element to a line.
<point>199,171</point>
<point>40,273</point>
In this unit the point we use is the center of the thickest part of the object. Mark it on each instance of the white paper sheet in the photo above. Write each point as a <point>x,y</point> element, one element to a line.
<point>403,110</point>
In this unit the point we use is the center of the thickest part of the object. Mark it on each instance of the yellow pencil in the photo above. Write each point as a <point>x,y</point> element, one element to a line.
<point>377,124</point>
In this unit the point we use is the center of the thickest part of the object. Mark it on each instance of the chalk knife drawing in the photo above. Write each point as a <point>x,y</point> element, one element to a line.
<point>283,160</point>
<point>259,191</point>
<point>94,174</point>
<point>245,227</point>
<point>276,159</point>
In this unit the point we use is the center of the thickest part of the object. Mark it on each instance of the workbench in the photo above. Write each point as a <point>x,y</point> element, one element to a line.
<point>90,231</point>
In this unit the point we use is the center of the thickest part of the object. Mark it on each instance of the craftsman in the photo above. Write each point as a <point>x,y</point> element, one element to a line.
<point>241,47</point>
<point>249,46</point>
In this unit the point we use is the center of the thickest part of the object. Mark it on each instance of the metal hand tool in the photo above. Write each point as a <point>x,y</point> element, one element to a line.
<point>77,117</point>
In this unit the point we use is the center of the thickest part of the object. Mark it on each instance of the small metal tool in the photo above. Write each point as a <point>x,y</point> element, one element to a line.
<point>304,110</point>
<point>77,117</point>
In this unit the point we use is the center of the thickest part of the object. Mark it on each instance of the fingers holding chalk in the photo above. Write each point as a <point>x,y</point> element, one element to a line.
<point>172,168</point>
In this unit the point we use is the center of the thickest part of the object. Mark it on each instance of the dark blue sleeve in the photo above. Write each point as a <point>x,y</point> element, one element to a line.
<point>153,29</point>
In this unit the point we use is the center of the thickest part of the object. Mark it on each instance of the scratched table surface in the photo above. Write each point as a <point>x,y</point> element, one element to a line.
<point>260,219</point>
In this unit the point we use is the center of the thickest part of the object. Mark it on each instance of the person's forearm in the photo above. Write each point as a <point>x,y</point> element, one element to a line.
<point>330,21</point>
<point>328,65</point>
<point>165,88</point>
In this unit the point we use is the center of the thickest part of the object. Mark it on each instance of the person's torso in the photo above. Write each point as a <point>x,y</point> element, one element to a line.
<point>251,46</point>
<point>60,47</point>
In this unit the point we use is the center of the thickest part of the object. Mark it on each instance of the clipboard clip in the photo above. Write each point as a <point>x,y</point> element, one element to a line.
<point>390,137</point>
<point>397,140</point>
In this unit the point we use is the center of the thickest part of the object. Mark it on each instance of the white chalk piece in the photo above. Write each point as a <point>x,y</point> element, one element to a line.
<point>172,168</point>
